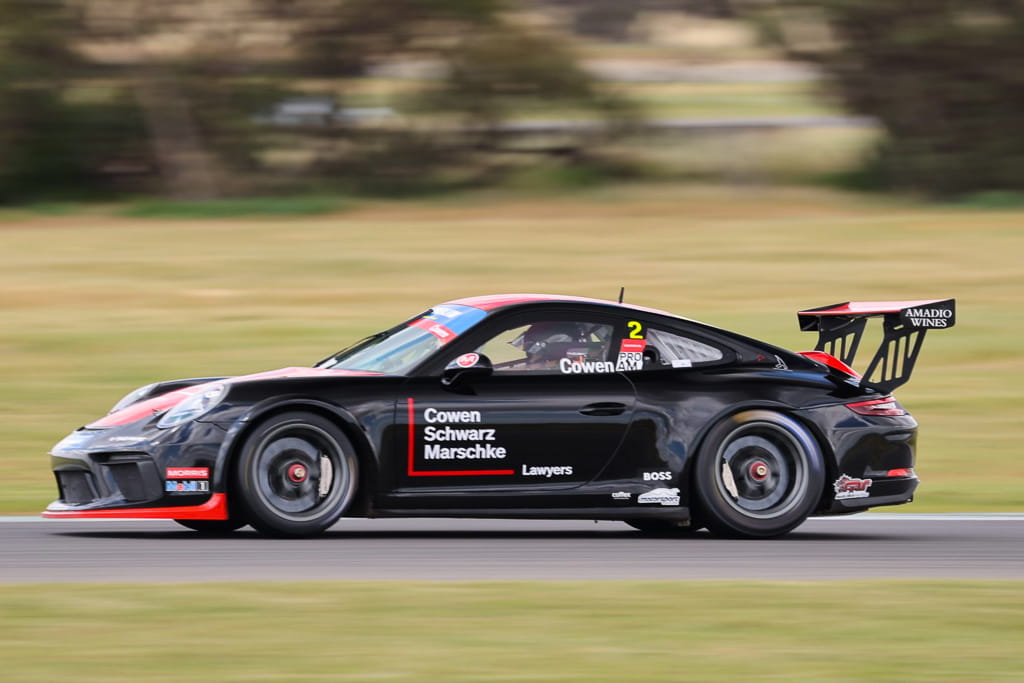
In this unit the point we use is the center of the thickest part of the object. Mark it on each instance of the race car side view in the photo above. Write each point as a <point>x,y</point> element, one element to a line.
<point>524,406</point>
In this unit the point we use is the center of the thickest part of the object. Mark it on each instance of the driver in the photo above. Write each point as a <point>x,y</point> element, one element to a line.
<point>547,343</point>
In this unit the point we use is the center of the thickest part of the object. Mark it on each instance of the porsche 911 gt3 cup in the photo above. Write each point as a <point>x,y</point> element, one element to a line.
<point>524,406</point>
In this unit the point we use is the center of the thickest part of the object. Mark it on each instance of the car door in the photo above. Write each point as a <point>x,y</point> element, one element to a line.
<point>674,401</point>
<point>548,418</point>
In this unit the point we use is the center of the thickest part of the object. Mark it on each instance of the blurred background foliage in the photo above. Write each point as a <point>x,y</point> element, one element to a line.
<point>945,79</point>
<point>203,99</point>
<point>193,99</point>
<point>216,98</point>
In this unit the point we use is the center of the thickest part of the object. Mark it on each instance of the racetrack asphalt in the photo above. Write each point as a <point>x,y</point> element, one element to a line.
<point>866,546</point>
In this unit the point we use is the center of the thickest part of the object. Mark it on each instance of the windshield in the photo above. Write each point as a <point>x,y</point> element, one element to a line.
<point>401,348</point>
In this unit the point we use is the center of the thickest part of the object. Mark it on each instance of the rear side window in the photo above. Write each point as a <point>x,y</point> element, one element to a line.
<point>671,349</point>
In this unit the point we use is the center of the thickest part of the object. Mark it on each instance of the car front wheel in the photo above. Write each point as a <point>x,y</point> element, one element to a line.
<point>758,474</point>
<point>296,474</point>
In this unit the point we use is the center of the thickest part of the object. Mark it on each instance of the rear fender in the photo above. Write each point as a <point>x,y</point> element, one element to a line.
<point>799,416</point>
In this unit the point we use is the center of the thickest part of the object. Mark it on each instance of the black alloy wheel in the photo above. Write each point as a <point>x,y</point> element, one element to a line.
<point>295,476</point>
<point>758,474</point>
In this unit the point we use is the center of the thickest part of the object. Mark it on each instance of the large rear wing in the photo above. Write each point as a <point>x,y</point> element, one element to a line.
<point>840,328</point>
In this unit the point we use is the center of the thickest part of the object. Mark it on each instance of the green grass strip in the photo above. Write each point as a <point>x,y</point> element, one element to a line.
<point>232,208</point>
<point>585,631</point>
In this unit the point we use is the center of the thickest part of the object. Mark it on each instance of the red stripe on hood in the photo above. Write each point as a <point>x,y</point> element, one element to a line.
<point>158,404</point>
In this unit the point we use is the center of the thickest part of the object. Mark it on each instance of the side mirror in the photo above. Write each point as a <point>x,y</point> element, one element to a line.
<point>466,367</point>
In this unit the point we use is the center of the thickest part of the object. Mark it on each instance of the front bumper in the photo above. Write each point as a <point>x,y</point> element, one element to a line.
<point>140,473</point>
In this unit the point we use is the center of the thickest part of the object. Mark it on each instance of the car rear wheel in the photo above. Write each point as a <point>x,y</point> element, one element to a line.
<point>212,527</point>
<point>759,474</point>
<point>296,474</point>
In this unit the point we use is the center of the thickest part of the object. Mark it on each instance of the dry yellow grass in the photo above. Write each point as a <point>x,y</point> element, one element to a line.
<point>539,631</point>
<point>94,305</point>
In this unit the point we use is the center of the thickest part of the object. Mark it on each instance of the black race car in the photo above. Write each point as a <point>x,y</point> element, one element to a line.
<point>523,406</point>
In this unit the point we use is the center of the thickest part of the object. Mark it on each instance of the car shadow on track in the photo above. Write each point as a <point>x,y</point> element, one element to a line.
<point>623,535</point>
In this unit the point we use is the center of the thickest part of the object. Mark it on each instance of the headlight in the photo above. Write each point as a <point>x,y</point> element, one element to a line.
<point>132,397</point>
<point>193,406</point>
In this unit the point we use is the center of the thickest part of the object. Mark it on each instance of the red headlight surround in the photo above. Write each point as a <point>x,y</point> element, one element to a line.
<point>883,407</point>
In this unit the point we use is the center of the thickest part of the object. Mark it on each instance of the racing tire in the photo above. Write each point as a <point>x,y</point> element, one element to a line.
<point>758,474</point>
<point>212,527</point>
<point>664,527</point>
<point>295,474</point>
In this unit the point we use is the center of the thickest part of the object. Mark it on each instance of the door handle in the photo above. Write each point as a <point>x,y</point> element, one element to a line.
<point>604,409</point>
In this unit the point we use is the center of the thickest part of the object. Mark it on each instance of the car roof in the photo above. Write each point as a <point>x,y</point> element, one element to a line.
<point>492,302</point>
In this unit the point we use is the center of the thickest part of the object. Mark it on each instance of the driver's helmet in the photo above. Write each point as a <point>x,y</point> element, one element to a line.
<point>547,342</point>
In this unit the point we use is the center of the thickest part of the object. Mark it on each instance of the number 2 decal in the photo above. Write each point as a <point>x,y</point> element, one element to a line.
<point>636,330</point>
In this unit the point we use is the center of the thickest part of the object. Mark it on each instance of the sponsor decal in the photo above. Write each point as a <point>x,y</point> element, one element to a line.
<point>780,364</point>
<point>446,433</point>
<point>467,360</point>
<point>584,367</point>
<point>187,486</point>
<point>443,313</point>
<point>451,320</point>
<point>188,473</point>
<point>468,443</point>
<point>657,476</point>
<point>433,415</point>
<point>682,363</point>
<point>848,487</point>
<point>475,452</point>
<point>631,355</point>
<point>439,330</point>
<point>633,346</point>
<point>939,316</point>
<point>561,470</point>
<point>621,495</point>
<point>660,496</point>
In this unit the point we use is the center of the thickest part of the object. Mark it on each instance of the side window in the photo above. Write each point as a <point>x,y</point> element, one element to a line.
<point>545,346</point>
<point>670,349</point>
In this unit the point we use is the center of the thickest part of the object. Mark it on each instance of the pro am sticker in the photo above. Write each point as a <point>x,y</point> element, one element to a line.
<point>467,360</point>
<point>631,355</point>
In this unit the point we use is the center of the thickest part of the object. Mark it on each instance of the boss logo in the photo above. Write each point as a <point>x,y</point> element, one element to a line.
<point>657,476</point>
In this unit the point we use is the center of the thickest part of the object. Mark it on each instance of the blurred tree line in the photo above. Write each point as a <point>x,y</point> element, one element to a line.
<point>611,19</point>
<point>178,98</point>
<point>945,78</point>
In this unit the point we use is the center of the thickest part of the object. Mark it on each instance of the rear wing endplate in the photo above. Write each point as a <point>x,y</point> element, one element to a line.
<point>840,328</point>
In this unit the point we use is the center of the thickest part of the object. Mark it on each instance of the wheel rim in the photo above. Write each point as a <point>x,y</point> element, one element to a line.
<point>762,470</point>
<point>301,471</point>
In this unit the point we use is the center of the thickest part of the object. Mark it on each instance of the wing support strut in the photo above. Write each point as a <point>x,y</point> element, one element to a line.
<point>840,328</point>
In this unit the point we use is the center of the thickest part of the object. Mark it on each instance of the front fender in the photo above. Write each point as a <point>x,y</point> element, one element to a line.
<point>252,416</point>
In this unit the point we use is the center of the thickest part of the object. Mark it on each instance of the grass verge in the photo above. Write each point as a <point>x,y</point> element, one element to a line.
<point>94,306</point>
<point>586,631</point>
